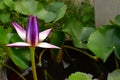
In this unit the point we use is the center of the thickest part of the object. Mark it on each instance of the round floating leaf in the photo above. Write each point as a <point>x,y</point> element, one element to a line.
<point>78,33</point>
<point>85,33</point>
<point>45,15</point>
<point>116,40</point>
<point>79,76</point>
<point>28,7</point>
<point>60,13</point>
<point>2,5</point>
<point>115,75</point>
<point>74,28</point>
<point>116,21</point>
<point>34,8</point>
<point>3,37</point>
<point>117,51</point>
<point>59,8</point>
<point>10,4</point>
<point>21,57</point>
<point>103,41</point>
<point>5,17</point>
<point>22,7</point>
<point>15,38</point>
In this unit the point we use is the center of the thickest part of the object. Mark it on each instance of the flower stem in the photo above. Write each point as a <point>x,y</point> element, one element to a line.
<point>45,73</point>
<point>40,57</point>
<point>21,76</point>
<point>93,57</point>
<point>32,49</point>
<point>117,63</point>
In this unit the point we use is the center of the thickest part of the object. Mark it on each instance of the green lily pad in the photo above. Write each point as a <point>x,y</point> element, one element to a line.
<point>9,3</point>
<point>35,8</point>
<point>104,40</point>
<point>59,8</point>
<point>5,17</point>
<point>116,21</point>
<point>79,76</point>
<point>21,57</point>
<point>3,36</point>
<point>115,75</point>
<point>78,33</point>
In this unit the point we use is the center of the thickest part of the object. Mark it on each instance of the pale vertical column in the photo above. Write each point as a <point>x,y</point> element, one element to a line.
<point>105,10</point>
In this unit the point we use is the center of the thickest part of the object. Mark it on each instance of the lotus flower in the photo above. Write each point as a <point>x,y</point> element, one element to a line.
<point>31,36</point>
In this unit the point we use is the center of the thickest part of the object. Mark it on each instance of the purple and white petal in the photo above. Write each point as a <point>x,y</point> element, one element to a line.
<point>31,36</point>
<point>21,32</point>
<point>44,34</point>
<point>18,44</point>
<point>47,45</point>
<point>32,33</point>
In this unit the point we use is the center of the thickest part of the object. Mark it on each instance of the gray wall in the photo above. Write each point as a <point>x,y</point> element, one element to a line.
<point>106,10</point>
